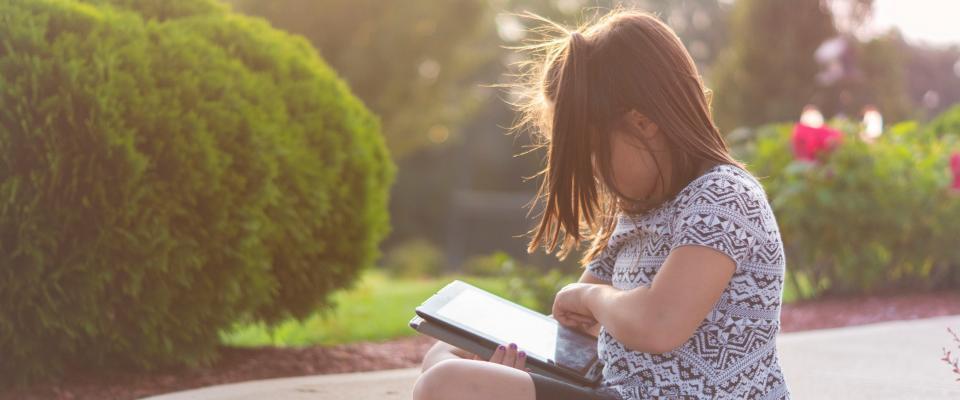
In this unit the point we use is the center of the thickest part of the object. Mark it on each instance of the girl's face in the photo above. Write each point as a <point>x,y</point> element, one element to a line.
<point>635,161</point>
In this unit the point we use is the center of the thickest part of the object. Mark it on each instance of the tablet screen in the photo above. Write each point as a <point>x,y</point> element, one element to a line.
<point>534,334</point>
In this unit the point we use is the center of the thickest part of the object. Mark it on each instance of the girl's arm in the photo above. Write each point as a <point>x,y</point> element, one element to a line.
<point>588,277</point>
<point>661,317</point>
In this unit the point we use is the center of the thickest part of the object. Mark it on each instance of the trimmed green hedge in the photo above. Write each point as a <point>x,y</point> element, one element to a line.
<point>168,167</point>
<point>866,217</point>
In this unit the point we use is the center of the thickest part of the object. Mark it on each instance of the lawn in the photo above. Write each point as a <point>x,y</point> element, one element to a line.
<point>378,308</point>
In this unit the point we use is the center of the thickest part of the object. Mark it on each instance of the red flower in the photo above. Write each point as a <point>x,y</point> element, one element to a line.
<point>808,141</point>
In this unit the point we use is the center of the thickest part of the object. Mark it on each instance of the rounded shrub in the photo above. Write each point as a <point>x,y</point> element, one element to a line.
<point>864,217</point>
<point>168,167</point>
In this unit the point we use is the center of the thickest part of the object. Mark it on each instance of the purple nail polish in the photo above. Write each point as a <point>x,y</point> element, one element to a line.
<point>523,354</point>
<point>513,346</point>
<point>501,347</point>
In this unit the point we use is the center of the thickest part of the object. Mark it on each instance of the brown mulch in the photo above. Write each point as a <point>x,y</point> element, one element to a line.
<point>235,365</point>
<point>242,364</point>
<point>838,312</point>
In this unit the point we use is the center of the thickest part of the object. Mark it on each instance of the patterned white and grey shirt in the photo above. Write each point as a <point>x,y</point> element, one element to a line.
<point>732,354</point>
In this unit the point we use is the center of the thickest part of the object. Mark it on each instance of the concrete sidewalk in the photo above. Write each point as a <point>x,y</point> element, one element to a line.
<point>891,360</point>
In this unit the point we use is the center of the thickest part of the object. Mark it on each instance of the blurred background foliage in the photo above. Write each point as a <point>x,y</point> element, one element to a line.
<point>414,63</point>
<point>774,75</point>
<point>459,187</point>
<point>867,217</point>
<point>246,152</point>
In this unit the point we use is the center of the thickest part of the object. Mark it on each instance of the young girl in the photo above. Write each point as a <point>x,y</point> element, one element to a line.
<point>684,275</point>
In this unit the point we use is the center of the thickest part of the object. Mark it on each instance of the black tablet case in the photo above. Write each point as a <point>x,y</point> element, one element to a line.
<point>484,348</point>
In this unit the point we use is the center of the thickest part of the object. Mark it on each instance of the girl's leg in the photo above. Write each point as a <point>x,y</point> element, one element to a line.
<point>442,351</point>
<point>462,379</point>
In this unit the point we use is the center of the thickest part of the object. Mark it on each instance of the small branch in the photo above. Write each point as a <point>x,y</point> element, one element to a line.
<point>948,355</point>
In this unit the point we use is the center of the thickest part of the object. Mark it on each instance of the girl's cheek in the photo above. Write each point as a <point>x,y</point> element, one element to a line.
<point>632,170</point>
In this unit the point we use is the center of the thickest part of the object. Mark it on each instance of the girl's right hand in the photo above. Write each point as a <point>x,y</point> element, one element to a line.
<point>592,329</point>
<point>581,323</point>
<point>569,309</point>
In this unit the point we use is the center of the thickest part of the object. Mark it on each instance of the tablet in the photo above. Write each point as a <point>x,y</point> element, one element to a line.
<point>489,320</point>
<point>485,351</point>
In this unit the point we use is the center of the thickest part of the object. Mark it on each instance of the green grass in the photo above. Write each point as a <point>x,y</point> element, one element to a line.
<point>377,308</point>
<point>797,290</point>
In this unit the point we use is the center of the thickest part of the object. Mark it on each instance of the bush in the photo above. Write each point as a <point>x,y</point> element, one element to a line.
<point>498,263</point>
<point>415,258</point>
<point>945,124</point>
<point>169,167</point>
<point>865,217</point>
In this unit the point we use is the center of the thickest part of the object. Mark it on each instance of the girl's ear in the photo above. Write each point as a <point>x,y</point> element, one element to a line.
<point>641,124</point>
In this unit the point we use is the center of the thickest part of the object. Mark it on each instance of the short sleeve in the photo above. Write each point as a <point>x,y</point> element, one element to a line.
<point>723,214</point>
<point>602,265</point>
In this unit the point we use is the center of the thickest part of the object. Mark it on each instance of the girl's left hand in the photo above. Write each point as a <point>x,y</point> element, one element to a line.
<point>569,309</point>
<point>510,356</point>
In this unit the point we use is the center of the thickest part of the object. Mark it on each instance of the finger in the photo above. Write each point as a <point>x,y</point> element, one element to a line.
<point>521,360</point>
<point>580,317</point>
<point>588,324</point>
<point>566,314</point>
<point>581,321</point>
<point>588,329</point>
<point>565,321</point>
<point>568,320</point>
<point>511,356</point>
<point>498,354</point>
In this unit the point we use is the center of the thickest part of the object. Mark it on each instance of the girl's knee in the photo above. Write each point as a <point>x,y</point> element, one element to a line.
<point>439,352</point>
<point>441,380</point>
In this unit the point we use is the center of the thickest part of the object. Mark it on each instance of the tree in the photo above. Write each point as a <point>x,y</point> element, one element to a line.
<point>412,61</point>
<point>768,73</point>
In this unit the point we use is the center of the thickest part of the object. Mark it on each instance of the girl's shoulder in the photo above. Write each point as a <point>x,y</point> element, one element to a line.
<point>727,192</point>
<point>719,184</point>
<point>723,186</point>
<point>725,208</point>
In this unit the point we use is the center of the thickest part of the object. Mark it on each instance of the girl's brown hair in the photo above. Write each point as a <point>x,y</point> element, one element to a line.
<point>577,87</point>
